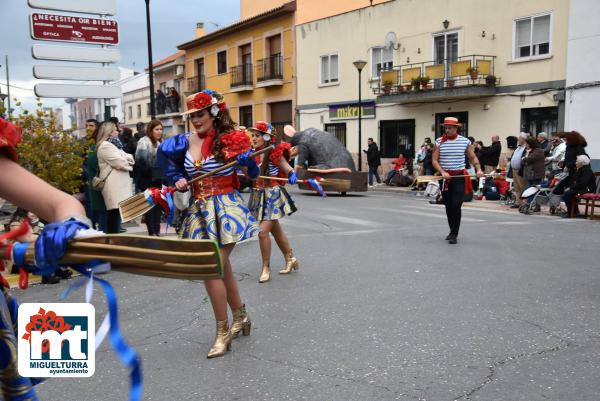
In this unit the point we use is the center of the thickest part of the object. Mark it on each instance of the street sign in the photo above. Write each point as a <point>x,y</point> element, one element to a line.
<point>76,73</point>
<point>77,91</point>
<point>101,7</point>
<point>71,53</point>
<point>67,28</point>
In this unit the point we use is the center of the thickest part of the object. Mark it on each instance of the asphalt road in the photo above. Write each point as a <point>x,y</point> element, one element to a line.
<point>382,308</point>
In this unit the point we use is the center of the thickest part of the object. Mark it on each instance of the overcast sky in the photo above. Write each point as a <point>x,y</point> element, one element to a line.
<point>173,22</point>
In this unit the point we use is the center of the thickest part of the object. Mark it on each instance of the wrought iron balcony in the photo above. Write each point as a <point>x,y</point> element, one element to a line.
<point>464,77</point>
<point>269,71</point>
<point>241,77</point>
<point>195,84</point>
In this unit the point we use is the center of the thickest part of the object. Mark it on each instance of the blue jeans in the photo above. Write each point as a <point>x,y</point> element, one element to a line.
<point>373,172</point>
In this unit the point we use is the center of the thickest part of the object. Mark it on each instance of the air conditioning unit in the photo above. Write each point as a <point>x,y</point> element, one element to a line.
<point>179,71</point>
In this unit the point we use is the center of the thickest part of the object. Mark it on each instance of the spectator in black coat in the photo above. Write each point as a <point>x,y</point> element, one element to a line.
<point>583,181</point>
<point>491,155</point>
<point>373,160</point>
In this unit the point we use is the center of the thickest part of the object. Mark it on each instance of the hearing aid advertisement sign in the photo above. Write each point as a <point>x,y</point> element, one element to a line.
<point>56,340</point>
<point>68,28</point>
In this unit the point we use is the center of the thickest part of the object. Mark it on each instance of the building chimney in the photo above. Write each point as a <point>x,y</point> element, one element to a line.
<point>200,29</point>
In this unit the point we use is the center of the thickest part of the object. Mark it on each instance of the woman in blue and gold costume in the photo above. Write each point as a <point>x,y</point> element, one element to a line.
<point>269,200</point>
<point>216,210</point>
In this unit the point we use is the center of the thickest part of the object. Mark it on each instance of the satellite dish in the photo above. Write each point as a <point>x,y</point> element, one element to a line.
<point>391,41</point>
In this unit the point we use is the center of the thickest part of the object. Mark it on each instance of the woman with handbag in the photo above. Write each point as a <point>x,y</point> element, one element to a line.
<point>147,174</point>
<point>269,201</point>
<point>113,178</point>
<point>216,210</point>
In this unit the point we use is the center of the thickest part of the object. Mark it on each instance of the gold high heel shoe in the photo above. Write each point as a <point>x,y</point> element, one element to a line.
<point>241,322</point>
<point>291,263</point>
<point>222,342</point>
<point>265,273</point>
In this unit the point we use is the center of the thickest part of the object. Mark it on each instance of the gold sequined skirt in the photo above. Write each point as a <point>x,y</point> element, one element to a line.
<point>223,218</point>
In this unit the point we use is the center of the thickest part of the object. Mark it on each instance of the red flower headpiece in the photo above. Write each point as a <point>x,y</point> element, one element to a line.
<point>10,137</point>
<point>204,100</point>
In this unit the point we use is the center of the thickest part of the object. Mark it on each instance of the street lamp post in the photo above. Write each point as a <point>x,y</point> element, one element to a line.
<point>150,67</point>
<point>359,64</point>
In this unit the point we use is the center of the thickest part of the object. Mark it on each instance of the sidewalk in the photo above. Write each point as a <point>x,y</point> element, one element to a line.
<point>474,204</point>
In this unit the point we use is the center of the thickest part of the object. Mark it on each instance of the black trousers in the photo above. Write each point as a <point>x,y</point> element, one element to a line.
<point>453,200</point>
<point>113,220</point>
<point>153,220</point>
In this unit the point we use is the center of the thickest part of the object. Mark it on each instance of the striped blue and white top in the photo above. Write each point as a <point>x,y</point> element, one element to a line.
<point>208,164</point>
<point>452,152</point>
<point>273,170</point>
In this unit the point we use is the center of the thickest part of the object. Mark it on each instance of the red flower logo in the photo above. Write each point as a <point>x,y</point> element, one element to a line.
<point>45,321</point>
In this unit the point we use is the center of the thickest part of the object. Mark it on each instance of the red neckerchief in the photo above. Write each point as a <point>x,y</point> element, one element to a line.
<point>207,144</point>
<point>446,137</point>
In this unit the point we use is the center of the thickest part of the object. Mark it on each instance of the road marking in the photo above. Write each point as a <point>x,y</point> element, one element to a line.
<point>352,220</point>
<point>425,214</point>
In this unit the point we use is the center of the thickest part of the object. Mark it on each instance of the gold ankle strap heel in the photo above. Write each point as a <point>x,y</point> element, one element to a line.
<point>241,322</point>
<point>291,263</point>
<point>265,274</point>
<point>222,342</point>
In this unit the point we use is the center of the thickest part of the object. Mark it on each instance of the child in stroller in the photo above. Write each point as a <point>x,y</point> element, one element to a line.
<point>542,194</point>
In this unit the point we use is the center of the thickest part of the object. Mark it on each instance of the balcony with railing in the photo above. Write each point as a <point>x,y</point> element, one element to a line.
<point>465,77</point>
<point>241,78</point>
<point>269,71</point>
<point>195,84</point>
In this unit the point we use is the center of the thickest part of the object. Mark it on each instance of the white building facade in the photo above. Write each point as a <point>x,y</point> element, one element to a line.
<point>583,75</point>
<point>521,44</point>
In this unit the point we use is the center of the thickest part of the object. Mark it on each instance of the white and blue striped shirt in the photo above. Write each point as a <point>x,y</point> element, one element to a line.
<point>452,153</point>
<point>272,170</point>
<point>208,164</point>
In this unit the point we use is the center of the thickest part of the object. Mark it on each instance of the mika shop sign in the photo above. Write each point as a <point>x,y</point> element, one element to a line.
<point>349,111</point>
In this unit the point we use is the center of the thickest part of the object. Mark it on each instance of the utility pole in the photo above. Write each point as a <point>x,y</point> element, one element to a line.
<point>150,67</point>
<point>8,88</point>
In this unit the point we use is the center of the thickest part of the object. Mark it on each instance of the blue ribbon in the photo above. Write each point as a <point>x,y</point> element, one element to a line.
<point>171,209</point>
<point>19,250</point>
<point>52,244</point>
<point>126,353</point>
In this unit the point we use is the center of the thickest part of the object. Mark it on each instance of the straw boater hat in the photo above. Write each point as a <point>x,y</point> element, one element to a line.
<point>452,121</point>
<point>265,128</point>
<point>204,100</point>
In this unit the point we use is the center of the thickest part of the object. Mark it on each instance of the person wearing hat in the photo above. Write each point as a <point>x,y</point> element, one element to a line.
<point>449,160</point>
<point>216,210</point>
<point>269,200</point>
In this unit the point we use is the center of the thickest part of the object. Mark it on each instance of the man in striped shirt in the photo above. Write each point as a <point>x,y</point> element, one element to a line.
<point>449,160</point>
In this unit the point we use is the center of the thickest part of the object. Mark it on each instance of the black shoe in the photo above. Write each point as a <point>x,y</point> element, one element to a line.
<point>452,239</point>
<point>52,279</point>
<point>63,273</point>
<point>122,230</point>
<point>448,237</point>
<point>515,206</point>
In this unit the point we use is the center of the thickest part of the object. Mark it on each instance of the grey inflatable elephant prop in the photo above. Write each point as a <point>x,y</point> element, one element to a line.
<point>321,151</point>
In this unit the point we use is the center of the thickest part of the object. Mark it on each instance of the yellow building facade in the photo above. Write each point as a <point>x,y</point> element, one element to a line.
<point>251,63</point>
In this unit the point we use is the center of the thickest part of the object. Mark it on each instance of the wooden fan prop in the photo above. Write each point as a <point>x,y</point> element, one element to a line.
<point>333,184</point>
<point>429,178</point>
<point>138,205</point>
<point>146,256</point>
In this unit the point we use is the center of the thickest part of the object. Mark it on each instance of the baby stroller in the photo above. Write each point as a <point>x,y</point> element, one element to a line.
<point>537,196</point>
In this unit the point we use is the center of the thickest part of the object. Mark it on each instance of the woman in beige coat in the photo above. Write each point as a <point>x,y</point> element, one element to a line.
<point>115,166</point>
